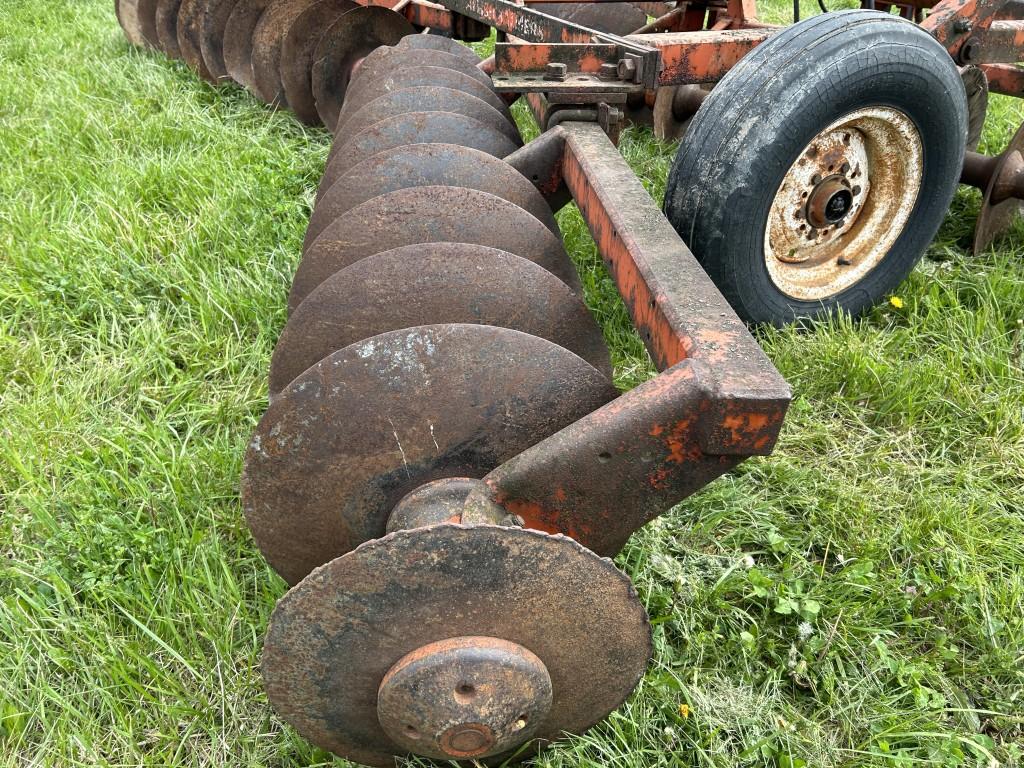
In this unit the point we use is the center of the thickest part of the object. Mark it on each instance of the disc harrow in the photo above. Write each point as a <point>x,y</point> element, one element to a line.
<point>445,467</point>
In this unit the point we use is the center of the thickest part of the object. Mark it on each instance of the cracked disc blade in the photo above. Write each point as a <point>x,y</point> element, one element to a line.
<point>351,436</point>
<point>333,638</point>
<point>429,215</point>
<point>428,284</point>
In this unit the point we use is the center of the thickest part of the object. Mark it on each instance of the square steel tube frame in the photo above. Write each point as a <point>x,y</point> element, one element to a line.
<point>717,399</point>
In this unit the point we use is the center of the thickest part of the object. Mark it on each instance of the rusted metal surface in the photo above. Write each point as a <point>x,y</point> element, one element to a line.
<point>418,75</point>
<point>343,45</point>
<point>843,203</point>
<point>464,697</point>
<point>606,15</point>
<point>718,400</point>
<point>1001,180</point>
<point>540,162</point>
<point>413,128</point>
<point>325,655</point>
<point>419,98</point>
<point>167,27</point>
<point>438,43</point>
<point>439,501</point>
<point>954,23</point>
<point>138,20</point>
<point>389,61</point>
<point>1006,79</point>
<point>267,39</point>
<point>297,50</point>
<point>351,436</point>
<point>421,165</point>
<point>237,45</point>
<point>212,24</point>
<point>701,57</point>
<point>429,284</point>
<point>424,215</point>
<point>190,15</point>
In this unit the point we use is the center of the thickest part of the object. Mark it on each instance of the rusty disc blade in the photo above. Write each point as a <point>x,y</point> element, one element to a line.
<point>189,16</point>
<point>429,215</point>
<point>167,27</point>
<point>390,60</point>
<point>297,54</point>
<point>995,218</point>
<point>349,437</point>
<point>334,637</point>
<point>126,12</point>
<point>421,165</point>
<point>412,128</point>
<point>438,43</point>
<point>420,98</point>
<point>418,76</point>
<point>237,45</point>
<point>138,20</point>
<point>267,39</point>
<point>345,43</point>
<point>213,20</point>
<point>428,284</point>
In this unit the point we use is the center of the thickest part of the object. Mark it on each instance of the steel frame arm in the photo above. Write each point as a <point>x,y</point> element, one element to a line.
<point>717,400</point>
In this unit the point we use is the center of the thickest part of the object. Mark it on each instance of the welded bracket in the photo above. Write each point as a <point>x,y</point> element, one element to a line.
<point>717,400</point>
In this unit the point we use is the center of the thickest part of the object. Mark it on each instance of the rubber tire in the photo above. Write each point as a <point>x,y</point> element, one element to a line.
<point>767,109</point>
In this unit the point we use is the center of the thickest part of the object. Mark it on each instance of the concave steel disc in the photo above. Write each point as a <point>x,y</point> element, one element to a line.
<point>389,60</point>
<point>349,437</point>
<point>438,43</point>
<point>297,54</point>
<point>433,283</point>
<point>368,90</point>
<point>995,218</point>
<point>429,215</point>
<point>189,17</point>
<point>213,20</point>
<point>412,128</point>
<point>138,20</point>
<point>334,637</point>
<point>976,86</point>
<point>423,97</point>
<point>267,39</point>
<point>167,27</point>
<point>421,165</point>
<point>126,13</point>
<point>343,46</point>
<point>237,46</point>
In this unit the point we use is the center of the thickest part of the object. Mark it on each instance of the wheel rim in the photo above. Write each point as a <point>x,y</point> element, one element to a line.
<point>843,203</point>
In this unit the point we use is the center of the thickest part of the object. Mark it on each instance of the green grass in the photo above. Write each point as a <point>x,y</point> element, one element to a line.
<point>857,599</point>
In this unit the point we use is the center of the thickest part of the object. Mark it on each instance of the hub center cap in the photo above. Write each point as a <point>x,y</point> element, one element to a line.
<point>464,697</point>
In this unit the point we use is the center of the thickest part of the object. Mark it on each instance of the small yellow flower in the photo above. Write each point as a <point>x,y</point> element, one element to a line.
<point>684,711</point>
<point>896,301</point>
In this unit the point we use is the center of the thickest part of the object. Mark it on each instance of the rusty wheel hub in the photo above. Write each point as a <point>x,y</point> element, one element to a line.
<point>464,697</point>
<point>843,203</point>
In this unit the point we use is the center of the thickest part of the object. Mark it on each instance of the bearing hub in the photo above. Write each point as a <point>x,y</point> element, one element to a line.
<point>464,697</point>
